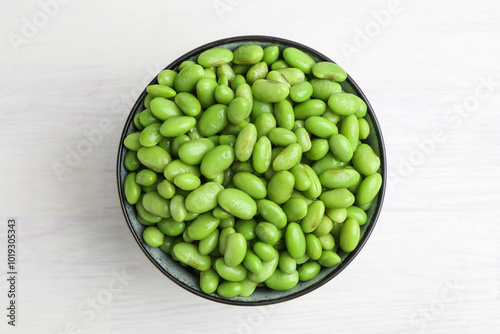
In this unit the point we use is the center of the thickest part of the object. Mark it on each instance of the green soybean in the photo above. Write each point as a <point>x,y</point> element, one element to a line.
<point>337,198</point>
<point>188,253</point>
<point>248,54</point>
<point>281,281</point>
<point>171,227</point>
<point>298,59</point>
<point>204,198</point>
<point>339,178</point>
<point>349,235</point>
<point>153,236</point>
<point>245,142</point>
<point>236,248</point>
<point>269,91</point>
<point>328,70</point>
<point>131,189</point>
<point>365,160</point>
<point>217,160</point>
<point>251,184</point>
<point>209,281</point>
<point>295,240</point>
<point>238,203</point>
<point>308,271</point>
<point>369,188</point>
<point>262,154</point>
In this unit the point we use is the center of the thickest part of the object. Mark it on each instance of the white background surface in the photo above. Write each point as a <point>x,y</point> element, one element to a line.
<point>433,262</point>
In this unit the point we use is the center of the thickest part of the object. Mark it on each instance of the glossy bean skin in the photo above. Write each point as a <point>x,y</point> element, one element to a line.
<point>247,287</point>
<point>356,213</point>
<point>145,214</point>
<point>341,147</point>
<point>188,77</point>
<point>268,268</point>
<point>295,240</point>
<point>280,187</point>
<point>267,233</point>
<point>252,262</point>
<point>132,141</point>
<point>281,137</point>
<point>171,227</point>
<point>302,179</point>
<point>215,57</point>
<point>213,120</point>
<point>188,253</point>
<point>217,160</point>
<point>251,184</point>
<point>303,139</point>
<point>315,189</point>
<point>329,259</point>
<point>350,129</point>
<point>338,215</point>
<point>155,158</point>
<point>256,72</point>
<point>156,204</point>
<point>177,208</point>
<point>269,91</point>
<point>238,203</point>
<point>337,198</point>
<point>164,109</point>
<point>315,213</point>
<point>365,160</point>
<point>320,127</point>
<point>224,94</point>
<point>262,154</point>
<point>193,151</point>
<point>204,198</point>
<point>209,281</point>
<point>245,142</point>
<point>229,289</point>
<point>349,235</point>
<point>246,228</point>
<point>230,273</point>
<point>295,209</point>
<point>344,103</point>
<point>265,123</point>
<point>132,189</point>
<point>264,251</point>
<point>323,89</point>
<point>188,103</point>
<point>281,281</point>
<point>312,107</point>
<point>287,264</point>
<point>271,54</point>
<point>161,91</point>
<point>330,71</point>
<point>293,76</point>
<point>308,271</point>
<point>187,181</point>
<point>283,112</point>
<point>236,248</point>
<point>146,117</point>
<point>131,162</point>
<point>301,92</point>
<point>339,178</point>
<point>248,54</point>
<point>369,188</point>
<point>324,227</point>
<point>205,92</point>
<point>298,59</point>
<point>313,246</point>
<point>167,78</point>
<point>153,236</point>
<point>287,158</point>
<point>364,128</point>
<point>150,136</point>
<point>319,148</point>
<point>272,213</point>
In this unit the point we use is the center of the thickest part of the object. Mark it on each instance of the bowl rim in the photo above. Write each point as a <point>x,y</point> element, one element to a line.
<point>383,160</point>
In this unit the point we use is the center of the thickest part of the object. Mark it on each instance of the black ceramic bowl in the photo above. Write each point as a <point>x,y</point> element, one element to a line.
<point>185,277</point>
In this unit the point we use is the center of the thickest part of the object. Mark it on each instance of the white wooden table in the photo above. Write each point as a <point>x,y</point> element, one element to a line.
<point>69,71</point>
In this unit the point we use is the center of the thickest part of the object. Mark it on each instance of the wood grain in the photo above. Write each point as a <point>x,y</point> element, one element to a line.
<point>432,264</point>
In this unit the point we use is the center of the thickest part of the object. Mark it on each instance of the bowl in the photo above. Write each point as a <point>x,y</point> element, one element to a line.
<point>185,277</point>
